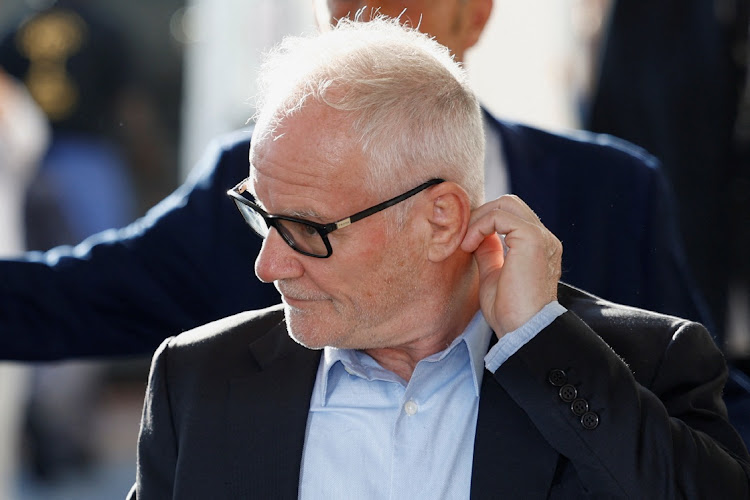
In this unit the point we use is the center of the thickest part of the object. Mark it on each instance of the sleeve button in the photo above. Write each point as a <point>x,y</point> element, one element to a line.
<point>579,407</point>
<point>558,378</point>
<point>590,420</point>
<point>568,393</point>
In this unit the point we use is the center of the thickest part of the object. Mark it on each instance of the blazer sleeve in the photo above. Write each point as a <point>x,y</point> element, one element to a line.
<point>121,292</point>
<point>157,442</point>
<point>653,428</point>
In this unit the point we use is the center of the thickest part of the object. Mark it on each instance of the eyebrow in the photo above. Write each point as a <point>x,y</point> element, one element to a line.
<point>305,214</point>
<point>300,214</point>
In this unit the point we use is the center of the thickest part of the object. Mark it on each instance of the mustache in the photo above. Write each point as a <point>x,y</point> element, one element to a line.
<point>296,291</point>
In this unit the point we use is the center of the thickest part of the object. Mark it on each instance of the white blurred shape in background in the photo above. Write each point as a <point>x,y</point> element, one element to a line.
<point>224,40</point>
<point>520,69</point>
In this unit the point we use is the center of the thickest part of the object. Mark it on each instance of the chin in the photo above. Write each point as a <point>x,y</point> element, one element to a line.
<point>304,343</point>
<point>307,331</point>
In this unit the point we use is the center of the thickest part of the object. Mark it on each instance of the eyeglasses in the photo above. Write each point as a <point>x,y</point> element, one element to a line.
<point>306,237</point>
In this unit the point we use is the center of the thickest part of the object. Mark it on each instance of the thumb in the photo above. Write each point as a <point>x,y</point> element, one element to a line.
<point>489,255</point>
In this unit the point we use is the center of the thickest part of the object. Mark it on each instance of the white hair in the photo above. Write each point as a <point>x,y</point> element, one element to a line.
<point>409,102</point>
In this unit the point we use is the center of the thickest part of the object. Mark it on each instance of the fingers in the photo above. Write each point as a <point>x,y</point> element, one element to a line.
<point>508,203</point>
<point>502,216</point>
<point>516,284</point>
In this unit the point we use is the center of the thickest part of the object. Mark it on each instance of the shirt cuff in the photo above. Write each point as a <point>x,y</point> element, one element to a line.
<point>511,342</point>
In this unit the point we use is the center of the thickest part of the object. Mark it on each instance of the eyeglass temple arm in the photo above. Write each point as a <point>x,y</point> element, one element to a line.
<point>385,204</point>
<point>241,187</point>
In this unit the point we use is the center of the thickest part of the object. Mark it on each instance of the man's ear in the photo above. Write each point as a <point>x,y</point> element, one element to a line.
<point>448,216</point>
<point>478,13</point>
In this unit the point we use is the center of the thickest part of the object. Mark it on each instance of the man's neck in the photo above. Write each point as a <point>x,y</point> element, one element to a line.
<point>403,359</point>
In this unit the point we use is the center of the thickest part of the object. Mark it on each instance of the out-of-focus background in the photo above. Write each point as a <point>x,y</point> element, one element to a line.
<point>133,91</point>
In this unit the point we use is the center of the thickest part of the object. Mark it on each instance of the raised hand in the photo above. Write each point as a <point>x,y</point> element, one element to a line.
<point>517,281</point>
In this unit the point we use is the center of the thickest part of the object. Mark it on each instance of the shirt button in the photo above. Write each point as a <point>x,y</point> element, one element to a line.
<point>411,408</point>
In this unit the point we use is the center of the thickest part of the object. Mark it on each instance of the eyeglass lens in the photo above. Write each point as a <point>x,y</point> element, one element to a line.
<point>253,218</point>
<point>297,234</point>
<point>302,237</point>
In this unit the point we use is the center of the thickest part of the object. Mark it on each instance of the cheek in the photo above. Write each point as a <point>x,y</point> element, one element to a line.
<point>393,268</point>
<point>371,261</point>
<point>357,264</point>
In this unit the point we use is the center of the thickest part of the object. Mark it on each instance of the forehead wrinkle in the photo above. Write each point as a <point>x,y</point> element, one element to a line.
<point>294,177</point>
<point>310,172</point>
<point>302,194</point>
<point>302,206</point>
<point>317,174</point>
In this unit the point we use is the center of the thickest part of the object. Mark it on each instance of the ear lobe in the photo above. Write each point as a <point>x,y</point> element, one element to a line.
<point>478,15</point>
<point>449,221</point>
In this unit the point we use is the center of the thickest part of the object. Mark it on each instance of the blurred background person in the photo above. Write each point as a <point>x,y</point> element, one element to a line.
<point>24,133</point>
<point>671,76</point>
<point>73,63</point>
<point>107,160</point>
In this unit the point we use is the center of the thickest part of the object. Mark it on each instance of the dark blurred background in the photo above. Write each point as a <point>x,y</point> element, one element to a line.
<point>108,76</point>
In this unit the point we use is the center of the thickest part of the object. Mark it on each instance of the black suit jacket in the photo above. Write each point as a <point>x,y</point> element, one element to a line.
<point>227,404</point>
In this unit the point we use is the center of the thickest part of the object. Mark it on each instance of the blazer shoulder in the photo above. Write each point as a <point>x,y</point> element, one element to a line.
<point>235,140</point>
<point>588,149</point>
<point>244,327</point>
<point>222,348</point>
<point>639,336</point>
<point>608,315</point>
<point>224,162</point>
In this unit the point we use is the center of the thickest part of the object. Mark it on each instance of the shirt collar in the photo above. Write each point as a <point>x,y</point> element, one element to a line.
<point>476,337</point>
<point>496,182</point>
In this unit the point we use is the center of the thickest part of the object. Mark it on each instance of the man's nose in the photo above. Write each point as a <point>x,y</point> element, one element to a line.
<point>276,259</point>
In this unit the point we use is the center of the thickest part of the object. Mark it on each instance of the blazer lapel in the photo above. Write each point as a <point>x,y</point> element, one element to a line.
<point>511,458</point>
<point>268,411</point>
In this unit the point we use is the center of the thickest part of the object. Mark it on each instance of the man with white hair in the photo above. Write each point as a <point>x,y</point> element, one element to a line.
<point>121,292</point>
<point>424,347</point>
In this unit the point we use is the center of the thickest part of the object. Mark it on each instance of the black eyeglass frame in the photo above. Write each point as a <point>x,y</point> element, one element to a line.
<point>323,229</point>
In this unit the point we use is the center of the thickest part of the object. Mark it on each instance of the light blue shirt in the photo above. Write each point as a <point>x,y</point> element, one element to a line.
<point>372,435</point>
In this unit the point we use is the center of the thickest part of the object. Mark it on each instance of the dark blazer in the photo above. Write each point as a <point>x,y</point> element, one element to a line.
<point>190,260</point>
<point>670,80</point>
<point>227,405</point>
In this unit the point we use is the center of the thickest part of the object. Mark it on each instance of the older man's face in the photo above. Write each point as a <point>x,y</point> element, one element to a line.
<point>355,298</point>
<point>446,20</point>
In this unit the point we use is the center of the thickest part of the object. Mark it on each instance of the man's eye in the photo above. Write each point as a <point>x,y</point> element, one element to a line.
<point>309,230</point>
<point>302,231</point>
